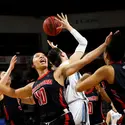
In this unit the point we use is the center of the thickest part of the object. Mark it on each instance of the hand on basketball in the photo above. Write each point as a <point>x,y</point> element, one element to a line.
<point>64,21</point>
<point>51,44</point>
<point>13,62</point>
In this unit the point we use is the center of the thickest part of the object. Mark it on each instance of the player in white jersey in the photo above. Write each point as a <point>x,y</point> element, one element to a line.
<point>58,58</point>
<point>77,101</point>
<point>112,116</point>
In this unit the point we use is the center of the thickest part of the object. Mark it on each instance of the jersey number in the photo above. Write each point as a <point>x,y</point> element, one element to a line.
<point>41,96</point>
<point>90,107</point>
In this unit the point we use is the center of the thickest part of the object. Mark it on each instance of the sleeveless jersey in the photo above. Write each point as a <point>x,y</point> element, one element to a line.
<point>94,106</point>
<point>116,91</point>
<point>14,110</point>
<point>115,116</point>
<point>2,113</point>
<point>48,95</point>
<point>70,93</point>
<point>77,101</point>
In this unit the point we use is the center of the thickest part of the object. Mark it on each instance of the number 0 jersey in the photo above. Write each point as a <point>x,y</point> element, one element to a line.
<point>95,106</point>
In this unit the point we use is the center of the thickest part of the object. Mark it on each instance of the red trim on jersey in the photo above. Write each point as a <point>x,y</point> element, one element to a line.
<point>119,62</point>
<point>67,119</point>
<point>61,98</point>
<point>102,112</point>
<point>89,91</point>
<point>7,116</point>
<point>6,113</point>
<point>12,123</point>
<point>44,75</point>
<point>121,102</point>
<point>103,84</point>
<point>119,122</point>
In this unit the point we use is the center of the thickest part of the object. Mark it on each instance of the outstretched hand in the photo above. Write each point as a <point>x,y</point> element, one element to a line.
<point>109,37</point>
<point>13,62</point>
<point>63,20</point>
<point>51,44</point>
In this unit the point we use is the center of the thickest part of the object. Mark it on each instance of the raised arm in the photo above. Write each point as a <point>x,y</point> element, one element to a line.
<point>17,93</point>
<point>11,67</point>
<point>103,73</point>
<point>80,49</point>
<point>88,58</point>
<point>100,89</point>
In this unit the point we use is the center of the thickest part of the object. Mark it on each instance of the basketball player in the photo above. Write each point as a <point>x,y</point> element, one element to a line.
<point>12,108</point>
<point>77,102</point>
<point>113,74</point>
<point>95,96</point>
<point>112,116</point>
<point>2,113</point>
<point>47,90</point>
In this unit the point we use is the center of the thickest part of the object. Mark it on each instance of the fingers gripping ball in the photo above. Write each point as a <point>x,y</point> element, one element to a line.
<point>51,26</point>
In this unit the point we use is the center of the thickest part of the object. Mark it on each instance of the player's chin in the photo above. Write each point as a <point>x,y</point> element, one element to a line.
<point>44,65</point>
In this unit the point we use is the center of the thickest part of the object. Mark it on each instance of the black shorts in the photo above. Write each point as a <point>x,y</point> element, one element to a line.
<point>66,119</point>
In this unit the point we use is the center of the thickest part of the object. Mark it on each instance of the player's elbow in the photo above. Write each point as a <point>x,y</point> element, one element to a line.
<point>85,41</point>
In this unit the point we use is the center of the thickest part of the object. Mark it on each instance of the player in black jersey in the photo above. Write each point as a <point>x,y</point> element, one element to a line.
<point>75,100</point>
<point>94,106</point>
<point>95,96</point>
<point>113,74</point>
<point>47,90</point>
<point>12,108</point>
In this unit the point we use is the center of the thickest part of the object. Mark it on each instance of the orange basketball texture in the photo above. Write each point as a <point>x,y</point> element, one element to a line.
<point>50,25</point>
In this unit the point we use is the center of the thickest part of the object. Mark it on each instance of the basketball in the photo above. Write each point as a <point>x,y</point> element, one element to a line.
<point>50,25</point>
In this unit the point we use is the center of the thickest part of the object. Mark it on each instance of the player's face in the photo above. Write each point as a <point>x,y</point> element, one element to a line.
<point>2,75</point>
<point>40,61</point>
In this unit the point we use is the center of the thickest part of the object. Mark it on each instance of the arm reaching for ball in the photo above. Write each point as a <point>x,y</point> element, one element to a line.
<point>80,49</point>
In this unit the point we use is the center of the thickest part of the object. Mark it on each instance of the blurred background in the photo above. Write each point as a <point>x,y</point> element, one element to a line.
<point>21,31</point>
